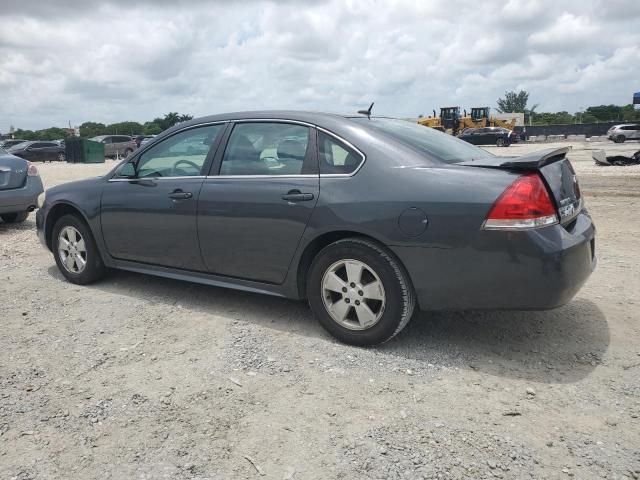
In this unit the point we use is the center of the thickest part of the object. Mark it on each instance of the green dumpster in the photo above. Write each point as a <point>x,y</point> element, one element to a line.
<point>80,150</point>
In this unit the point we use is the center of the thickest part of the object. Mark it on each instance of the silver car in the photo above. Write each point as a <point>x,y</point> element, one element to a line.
<point>115,145</point>
<point>624,131</point>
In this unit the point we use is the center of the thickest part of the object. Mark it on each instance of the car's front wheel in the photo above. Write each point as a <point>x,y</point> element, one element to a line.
<point>18,217</point>
<point>76,252</point>
<point>500,142</point>
<point>61,157</point>
<point>359,292</point>
<point>620,139</point>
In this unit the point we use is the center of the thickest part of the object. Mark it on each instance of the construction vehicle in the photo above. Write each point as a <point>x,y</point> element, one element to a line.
<point>480,118</point>
<point>432,122</point>
<point>448,121</point>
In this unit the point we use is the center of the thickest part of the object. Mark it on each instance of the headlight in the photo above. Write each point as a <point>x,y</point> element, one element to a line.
<point>41,199</point>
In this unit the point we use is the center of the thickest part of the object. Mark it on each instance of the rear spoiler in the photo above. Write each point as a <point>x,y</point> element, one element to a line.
<point>530,161</point>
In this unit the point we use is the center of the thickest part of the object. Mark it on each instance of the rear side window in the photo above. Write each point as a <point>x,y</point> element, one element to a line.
<point>442,146</point>
<point>264,148</point>
<point>335,157</point>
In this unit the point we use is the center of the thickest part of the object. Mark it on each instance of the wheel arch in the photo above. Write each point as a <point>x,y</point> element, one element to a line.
<point>321,241</point>
<point>55,213</point>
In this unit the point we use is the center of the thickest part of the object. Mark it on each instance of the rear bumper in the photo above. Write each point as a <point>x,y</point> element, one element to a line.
<point>21,199</point>
<point>530,270</point>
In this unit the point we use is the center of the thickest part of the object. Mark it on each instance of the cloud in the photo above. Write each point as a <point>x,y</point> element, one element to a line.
<point>116,60</point>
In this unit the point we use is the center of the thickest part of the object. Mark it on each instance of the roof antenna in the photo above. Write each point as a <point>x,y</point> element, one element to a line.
<point>367,112</point>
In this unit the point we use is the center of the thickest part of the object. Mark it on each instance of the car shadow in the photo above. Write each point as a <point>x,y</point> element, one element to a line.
<point>556,346</point>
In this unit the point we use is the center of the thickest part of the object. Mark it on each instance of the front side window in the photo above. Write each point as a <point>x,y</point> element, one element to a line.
<point>335,157</point>
<point>180,155</point>
<point>263,148</point>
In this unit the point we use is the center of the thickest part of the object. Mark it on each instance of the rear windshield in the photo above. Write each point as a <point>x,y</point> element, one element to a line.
<point>442,146</point>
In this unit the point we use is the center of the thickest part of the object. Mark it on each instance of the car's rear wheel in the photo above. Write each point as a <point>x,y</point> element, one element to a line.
<point>61,157</point>
<point>359,292</point>
<point>17,217</point>
<point>500,142</point>
<point>76,252</point>
<point>620,139</point>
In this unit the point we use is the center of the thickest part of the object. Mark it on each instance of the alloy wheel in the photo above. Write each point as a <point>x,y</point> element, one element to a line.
<point>72,250</point>
<point>353,294</point>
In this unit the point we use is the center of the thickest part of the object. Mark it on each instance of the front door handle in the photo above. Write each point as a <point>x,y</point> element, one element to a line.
<point>180,195</point>
<point>297,196</point>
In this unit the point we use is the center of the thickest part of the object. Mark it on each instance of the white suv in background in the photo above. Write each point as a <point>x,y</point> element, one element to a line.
<point>624,131</point>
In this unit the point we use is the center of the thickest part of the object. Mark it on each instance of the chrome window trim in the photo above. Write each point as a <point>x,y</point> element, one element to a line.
<point>263,120</point>
<point>154,178</point>
<point>236,177</point>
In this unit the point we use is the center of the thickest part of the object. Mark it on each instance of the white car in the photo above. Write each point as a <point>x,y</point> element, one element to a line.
<point>624,131</point>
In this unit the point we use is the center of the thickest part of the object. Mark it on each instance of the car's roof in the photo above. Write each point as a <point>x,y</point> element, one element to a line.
<point>298,115</point>
<point>626,125</point>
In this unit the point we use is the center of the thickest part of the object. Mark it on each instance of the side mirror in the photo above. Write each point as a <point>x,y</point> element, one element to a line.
<point>127,170</point>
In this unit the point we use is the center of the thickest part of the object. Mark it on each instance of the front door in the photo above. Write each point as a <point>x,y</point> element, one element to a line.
<point>254,210</point>
<point>148,209</point>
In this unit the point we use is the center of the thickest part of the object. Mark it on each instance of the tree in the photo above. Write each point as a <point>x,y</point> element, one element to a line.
<point>92,129</point>
<point>171,119</point>
<point>125,128</point>
<point>513,102</point>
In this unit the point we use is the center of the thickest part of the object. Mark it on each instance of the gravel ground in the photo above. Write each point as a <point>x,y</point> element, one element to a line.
<point>148,378</point>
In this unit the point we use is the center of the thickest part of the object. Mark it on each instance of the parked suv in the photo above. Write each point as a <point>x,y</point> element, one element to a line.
<point>625,131</point>
<point>115,145</point>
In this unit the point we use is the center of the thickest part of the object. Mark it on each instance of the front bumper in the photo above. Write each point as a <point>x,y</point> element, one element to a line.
<point>529,270</point>
<point>18,200</point>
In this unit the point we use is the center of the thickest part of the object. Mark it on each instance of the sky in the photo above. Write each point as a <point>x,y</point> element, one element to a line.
<point>78,60</point>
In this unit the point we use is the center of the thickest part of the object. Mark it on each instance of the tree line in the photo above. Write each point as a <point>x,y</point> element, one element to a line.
<point>517,102</point>
<point>93,129</point>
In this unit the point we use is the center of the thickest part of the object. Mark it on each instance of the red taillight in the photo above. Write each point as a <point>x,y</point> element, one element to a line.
<point>32,170</point>
<point>525,204</point>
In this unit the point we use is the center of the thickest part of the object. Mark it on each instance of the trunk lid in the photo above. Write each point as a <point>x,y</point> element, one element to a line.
<point>555,169</point>
<point>13,172</point>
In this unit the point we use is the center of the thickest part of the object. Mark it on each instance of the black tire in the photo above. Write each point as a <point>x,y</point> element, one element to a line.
<point>399,294</point>
<point>61,157</point>
<point>17,217</point>
<point>620,139</point>
<point>94,269</point>
<point>500,142</point>
<point>127,152</point>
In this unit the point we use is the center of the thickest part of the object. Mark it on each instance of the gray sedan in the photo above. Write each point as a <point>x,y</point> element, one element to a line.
<point>20,186</point>
<point>365,218</point>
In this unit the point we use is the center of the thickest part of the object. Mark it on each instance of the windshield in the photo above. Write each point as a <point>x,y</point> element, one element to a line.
<point>17,146</point>
<point>440,145</point>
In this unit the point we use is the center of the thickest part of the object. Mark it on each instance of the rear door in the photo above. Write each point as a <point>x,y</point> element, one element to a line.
<point>255,206</point>
<point>148,210</point>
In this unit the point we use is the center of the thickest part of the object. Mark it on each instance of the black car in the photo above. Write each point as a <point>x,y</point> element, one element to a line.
<point>39,151</point>
<point>498,136</point>
<point>366,218</point>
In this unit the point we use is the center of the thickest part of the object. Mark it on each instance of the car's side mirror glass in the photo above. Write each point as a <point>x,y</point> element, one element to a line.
<point>127,170</point>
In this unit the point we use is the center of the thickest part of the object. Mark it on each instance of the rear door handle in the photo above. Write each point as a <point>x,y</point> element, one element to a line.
<point>297,196</point>
<point>180,195</point>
